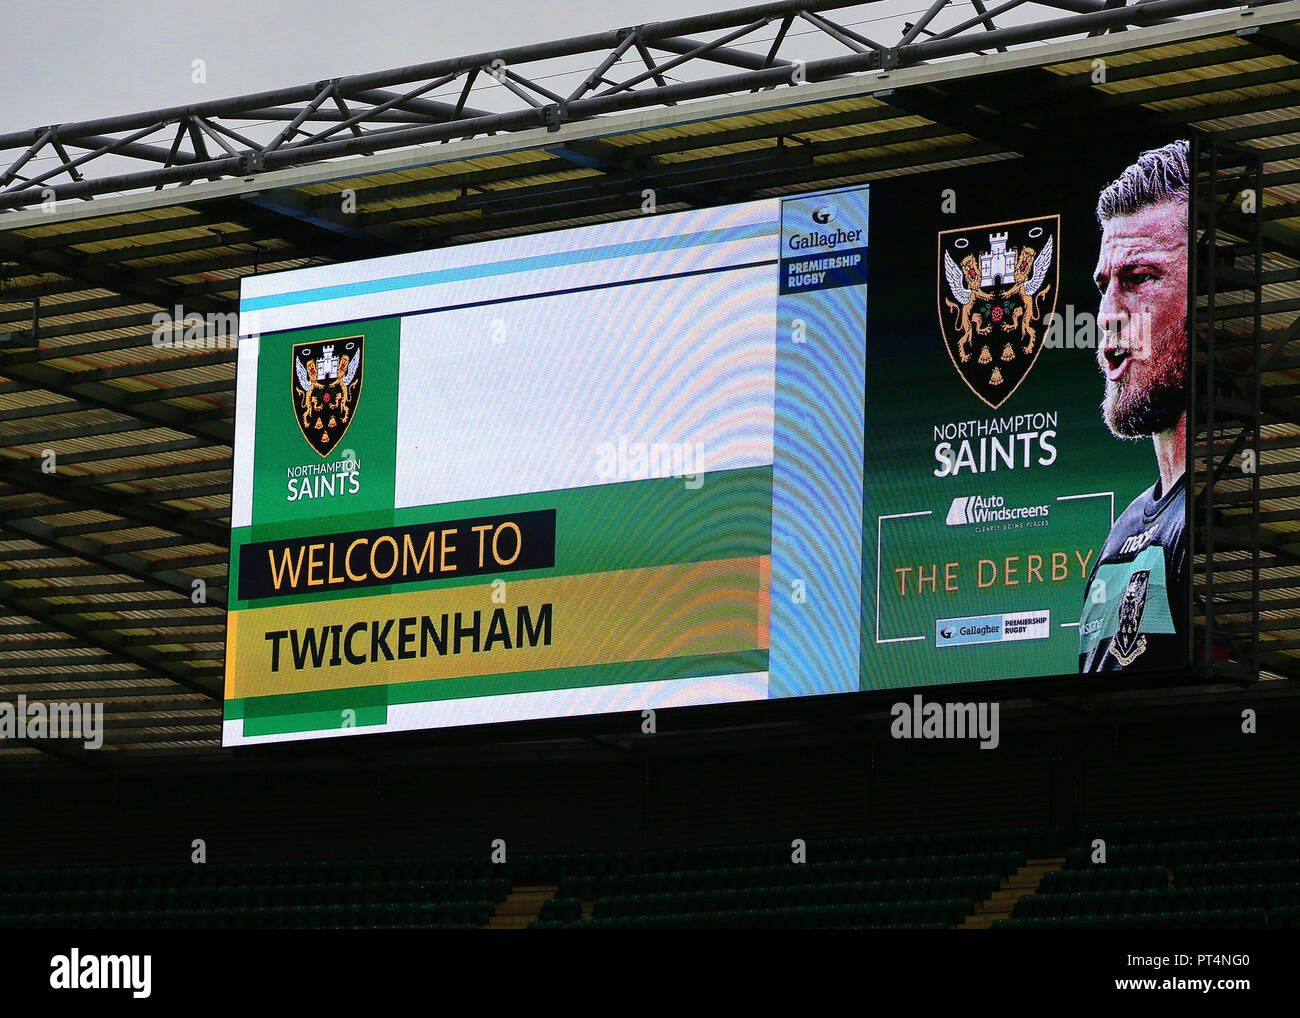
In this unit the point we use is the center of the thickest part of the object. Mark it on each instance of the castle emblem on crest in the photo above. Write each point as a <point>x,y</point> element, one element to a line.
<point>325,388</point>
<point>997,284</point>
<point>1129,643</point>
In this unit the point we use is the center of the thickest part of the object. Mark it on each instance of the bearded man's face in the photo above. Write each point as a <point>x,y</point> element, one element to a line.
<point>1142,275</point>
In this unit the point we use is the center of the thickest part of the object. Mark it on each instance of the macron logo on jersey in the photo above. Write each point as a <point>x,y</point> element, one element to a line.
<point>1136,542</point>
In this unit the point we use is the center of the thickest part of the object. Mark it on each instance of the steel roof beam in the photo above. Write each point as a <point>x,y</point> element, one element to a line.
<point>183,468</point>
<point>202,213</point>
<point>178,706</point>
<point>213,239</point>
<point>48,310</point>
<point>1283,40</point>
<point>64,750</point>
<point>941,109</point>
<point>118,427</point>
<point>130,283</point>
<point>225,385</point>
<point>169,602</point>
<point>373,193</point>
<point>1220,55</point>
<point>73,406</point>
<point>954,44</point>
<point>46,592</point>
<point>143,449</point>
<point>133,509</point>
<point>50,643</point>
<point>868,114</point>
<point>389,116</point>
<point>57,661</point>
<point>721,54</point>
<point>779,176</point>
<point>620,172</point>
<point>148,695</point>
<point>151,737</point>
<point>27,413</point>
<point>249,261</point>
<point>185,494</point>
<point>153,544</point>
<point>353,83</point>
<point>220,514</point>
<point>728,175</point>
<point>306,232</point>
<point>48,572</point>
<point>32,510</point>
<point>365,241</point>
<point>92,346</point>
<point>118,563</point>
<point>986,19</point>
<point>212,616</point>
<point>92,391</point>
<point>425,108</point>
<point>47,287</point>
<point>142,659</point>
<point>186,622</point>
<point>43,680</point>
<point>25,554</point>
<point>149,153</point>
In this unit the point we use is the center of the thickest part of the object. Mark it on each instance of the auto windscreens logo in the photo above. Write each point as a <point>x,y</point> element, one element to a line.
<point>970,509</point>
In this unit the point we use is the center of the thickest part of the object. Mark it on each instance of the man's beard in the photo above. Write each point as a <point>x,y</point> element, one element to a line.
<point>1140,411</point>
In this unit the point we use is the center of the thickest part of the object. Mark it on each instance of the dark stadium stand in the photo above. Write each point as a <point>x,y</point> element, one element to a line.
<point>911,881</point>
<point>925,881</point>
<point>424,894</point>
<point>1201,872</point>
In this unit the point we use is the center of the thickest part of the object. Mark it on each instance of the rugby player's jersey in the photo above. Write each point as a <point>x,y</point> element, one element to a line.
<point>1135,603</point>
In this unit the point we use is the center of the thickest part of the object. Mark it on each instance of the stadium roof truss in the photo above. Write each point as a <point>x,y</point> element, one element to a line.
<point>115,452</point>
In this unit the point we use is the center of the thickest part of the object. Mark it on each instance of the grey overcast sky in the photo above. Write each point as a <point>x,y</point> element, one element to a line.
<point>70,60</point>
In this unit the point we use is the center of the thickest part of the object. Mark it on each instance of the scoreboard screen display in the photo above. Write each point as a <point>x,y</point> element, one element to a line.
<point>553,475</point>
<point>912,433</point>
<point>1026,409</point>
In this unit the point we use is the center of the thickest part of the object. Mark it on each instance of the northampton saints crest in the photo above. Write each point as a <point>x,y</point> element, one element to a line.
<point>326,386</point>
<point>1128,644</point>
<point>997,287</point>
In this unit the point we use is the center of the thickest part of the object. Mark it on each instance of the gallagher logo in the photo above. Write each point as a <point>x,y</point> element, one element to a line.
<point>997,283</point>
<point>824,240</point>
<point>325,388</point>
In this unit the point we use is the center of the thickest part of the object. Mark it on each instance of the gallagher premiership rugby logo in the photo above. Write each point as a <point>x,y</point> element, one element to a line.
<point>325,387</point>
<point>997,283</point>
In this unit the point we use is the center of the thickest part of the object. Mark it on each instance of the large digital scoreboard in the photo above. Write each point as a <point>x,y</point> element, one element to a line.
<point>911,433</point>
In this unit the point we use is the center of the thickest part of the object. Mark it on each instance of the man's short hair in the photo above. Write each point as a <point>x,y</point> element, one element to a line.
<point>1160,174</point>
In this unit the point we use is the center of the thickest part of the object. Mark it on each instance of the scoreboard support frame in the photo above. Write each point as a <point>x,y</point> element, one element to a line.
<point>1229,352</point>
